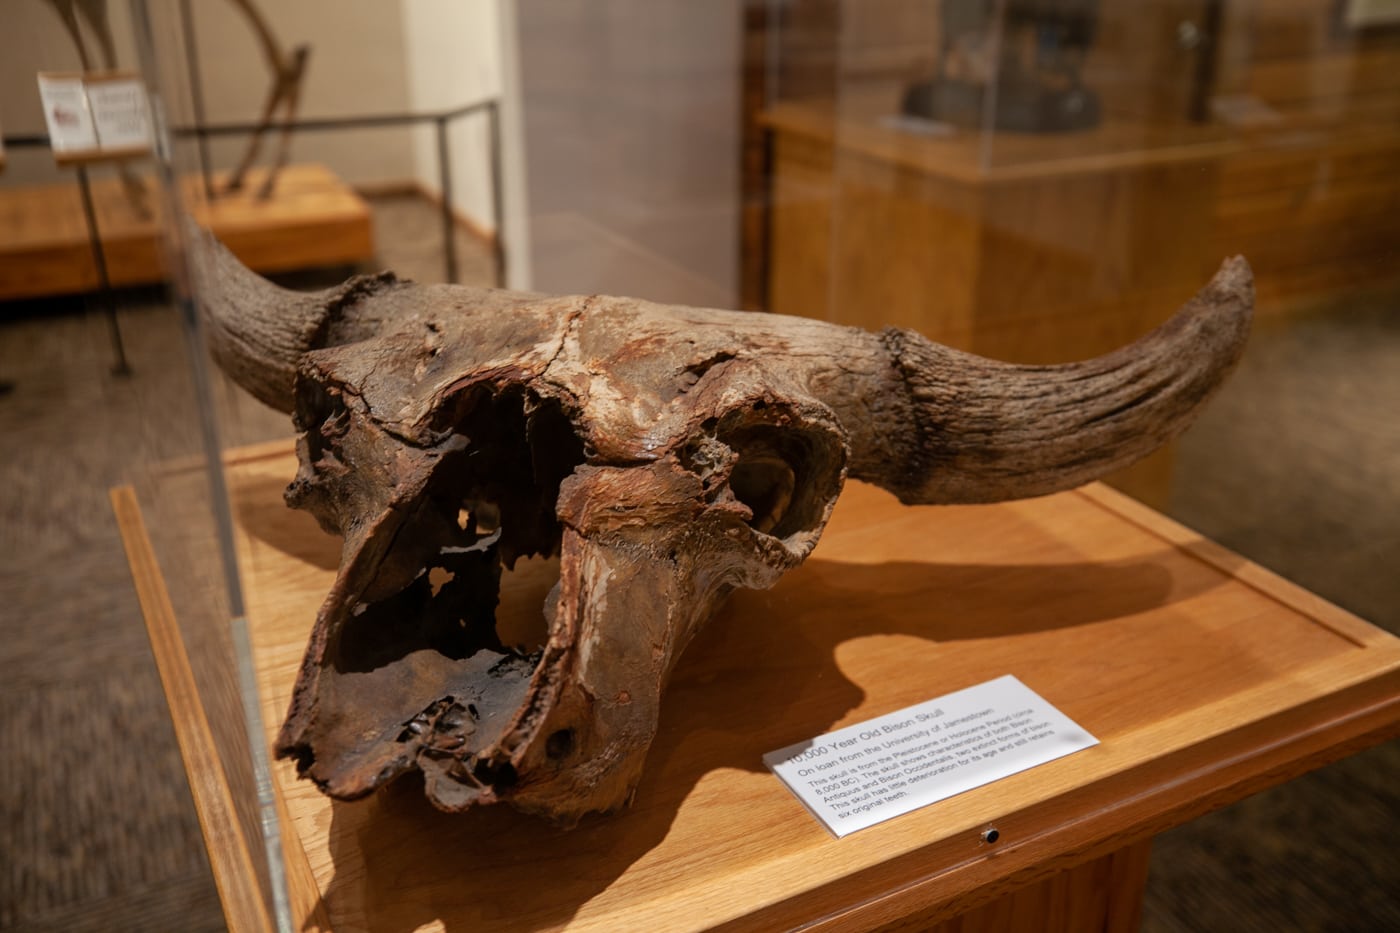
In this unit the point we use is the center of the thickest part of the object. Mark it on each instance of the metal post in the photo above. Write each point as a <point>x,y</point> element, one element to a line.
<point>196,95</point>
<point>498,211</point>
<point>1207,51</point>
<point>449,231</point>
<point>104,284</point>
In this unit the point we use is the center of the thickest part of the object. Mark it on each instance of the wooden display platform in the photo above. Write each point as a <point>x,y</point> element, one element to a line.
<point>314,219</point>
<point>1205,678</point>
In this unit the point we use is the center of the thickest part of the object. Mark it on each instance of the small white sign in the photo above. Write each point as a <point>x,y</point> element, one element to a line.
<point>95,115</point>
<point>120,114</point>
<point>66,112</point>
<point>868,773</point>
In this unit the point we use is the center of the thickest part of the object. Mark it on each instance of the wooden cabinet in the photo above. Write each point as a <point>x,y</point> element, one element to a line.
<point>1045,249</point>
<point>1061,248</point>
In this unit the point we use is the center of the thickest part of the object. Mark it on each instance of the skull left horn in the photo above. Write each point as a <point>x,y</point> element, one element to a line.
<point>663,455</point>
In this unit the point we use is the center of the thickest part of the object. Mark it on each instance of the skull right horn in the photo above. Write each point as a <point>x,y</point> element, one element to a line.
<point>664,455</point>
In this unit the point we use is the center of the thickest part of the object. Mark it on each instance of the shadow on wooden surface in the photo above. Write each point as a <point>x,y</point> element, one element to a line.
<point>716,715</point>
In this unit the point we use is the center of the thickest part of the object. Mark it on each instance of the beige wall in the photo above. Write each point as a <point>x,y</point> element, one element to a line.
<point>357,67</point>
<point>367,57</point>
<point>454,59</point>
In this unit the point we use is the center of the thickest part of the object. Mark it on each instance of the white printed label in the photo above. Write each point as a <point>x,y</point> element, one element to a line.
<point>66,112</point>
<point>120,114</point>
<point>868,773</point>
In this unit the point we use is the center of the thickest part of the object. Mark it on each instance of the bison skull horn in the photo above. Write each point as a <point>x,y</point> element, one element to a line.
<point>662,455</point>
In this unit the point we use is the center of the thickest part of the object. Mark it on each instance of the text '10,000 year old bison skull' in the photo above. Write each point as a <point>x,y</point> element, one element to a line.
<point>662,455</point>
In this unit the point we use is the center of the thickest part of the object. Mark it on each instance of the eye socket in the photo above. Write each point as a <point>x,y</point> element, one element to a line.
<point>785,473</point>
<point>321,417</point>
<point>765,483</point>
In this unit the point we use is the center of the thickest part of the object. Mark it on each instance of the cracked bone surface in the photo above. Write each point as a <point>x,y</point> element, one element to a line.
<point>633,463</point>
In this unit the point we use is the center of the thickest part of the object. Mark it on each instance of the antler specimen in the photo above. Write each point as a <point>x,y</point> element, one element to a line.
<point>665,454</point>
<point>284,92</point>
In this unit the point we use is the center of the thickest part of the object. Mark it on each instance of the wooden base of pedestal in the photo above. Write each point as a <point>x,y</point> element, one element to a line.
<point>1204,677</point>
<point>313,219</point>
<point>1104,895</point>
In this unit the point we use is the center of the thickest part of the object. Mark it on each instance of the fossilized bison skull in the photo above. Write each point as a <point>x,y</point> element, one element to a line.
<point>663,455</point>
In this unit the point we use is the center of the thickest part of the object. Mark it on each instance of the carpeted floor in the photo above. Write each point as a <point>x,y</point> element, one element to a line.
<point>1297,465</point>
<point>97,831</point>
<point>97,827</point>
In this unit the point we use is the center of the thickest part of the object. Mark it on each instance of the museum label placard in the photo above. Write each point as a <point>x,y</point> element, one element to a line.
<point>873,771</point>
<point>95,116</point>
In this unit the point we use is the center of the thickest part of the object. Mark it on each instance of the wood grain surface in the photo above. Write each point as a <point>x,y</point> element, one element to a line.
<point>1204,677</point>
<point>244,906</point>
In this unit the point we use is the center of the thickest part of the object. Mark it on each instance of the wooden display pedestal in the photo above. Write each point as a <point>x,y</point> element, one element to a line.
<point>313,219</point>
<point>1205,678</point>
<point>1031,248</point>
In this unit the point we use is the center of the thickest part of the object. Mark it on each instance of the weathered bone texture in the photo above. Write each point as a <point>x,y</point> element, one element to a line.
<point>663,455</point>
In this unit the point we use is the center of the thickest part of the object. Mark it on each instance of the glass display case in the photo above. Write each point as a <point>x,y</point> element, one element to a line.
<point>1034,181</point>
